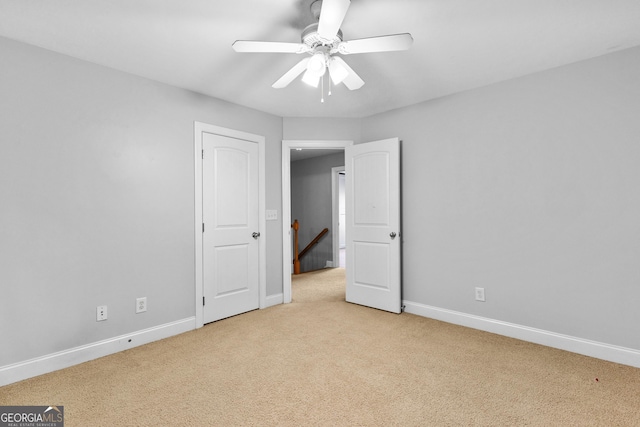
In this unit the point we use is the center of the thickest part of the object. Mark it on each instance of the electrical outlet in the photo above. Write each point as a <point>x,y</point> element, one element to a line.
<point>101,313</point>
<point>480,294</point>
<point>141,305</point>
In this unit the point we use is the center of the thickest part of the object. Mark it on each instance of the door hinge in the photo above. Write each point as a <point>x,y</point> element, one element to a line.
<point>203,227</point>
<point>203,301</point>
<point>202,154</point>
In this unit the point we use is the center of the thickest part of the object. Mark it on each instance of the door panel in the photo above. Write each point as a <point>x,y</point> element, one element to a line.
<point>371,274</point>
<point>230,216</point>
<point>371,189</point>
<point>231,269</point>
<point>373,224</point>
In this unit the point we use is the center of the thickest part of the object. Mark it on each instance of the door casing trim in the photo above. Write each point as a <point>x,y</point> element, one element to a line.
<point>200,128</point>
<point>335,213</point>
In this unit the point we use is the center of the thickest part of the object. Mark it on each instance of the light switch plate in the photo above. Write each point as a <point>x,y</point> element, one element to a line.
<point>272,215</point>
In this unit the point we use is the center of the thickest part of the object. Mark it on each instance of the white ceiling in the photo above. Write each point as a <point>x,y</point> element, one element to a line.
<point>458,44</point>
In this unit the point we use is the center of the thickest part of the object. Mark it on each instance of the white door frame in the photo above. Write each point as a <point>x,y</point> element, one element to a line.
<point>287,256</point>
<point>200,128</point>
<point>335,213</point>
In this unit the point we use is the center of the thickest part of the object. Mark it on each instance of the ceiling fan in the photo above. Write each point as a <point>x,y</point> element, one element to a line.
<point>322,41</point>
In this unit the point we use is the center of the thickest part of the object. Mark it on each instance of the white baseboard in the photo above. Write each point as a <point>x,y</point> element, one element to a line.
<point>274,300</point>
<point>612,353</point>
<point>73,356</point>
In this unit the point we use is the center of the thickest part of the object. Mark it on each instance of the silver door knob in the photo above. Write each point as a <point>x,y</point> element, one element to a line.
<point>392,234</point>
<point>255,235</point>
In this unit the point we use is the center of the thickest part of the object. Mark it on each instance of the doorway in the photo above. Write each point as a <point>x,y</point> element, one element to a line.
<point>287,146</point>
<point>373,231</point>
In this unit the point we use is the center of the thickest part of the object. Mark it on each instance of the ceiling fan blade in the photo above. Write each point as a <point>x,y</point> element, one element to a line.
<point>377,44</point>
<point>352,81</point>
<point>247,46</point>
<point>331,16</point>
<point>290,75</point>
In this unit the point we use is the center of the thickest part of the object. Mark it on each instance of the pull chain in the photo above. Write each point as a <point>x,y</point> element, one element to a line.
<point>322,89</point>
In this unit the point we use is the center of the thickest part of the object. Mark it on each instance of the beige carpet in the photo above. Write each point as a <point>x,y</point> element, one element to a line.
<point>322,361</point>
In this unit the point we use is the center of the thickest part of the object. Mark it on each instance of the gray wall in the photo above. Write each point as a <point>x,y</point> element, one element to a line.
<point>340,129</point>
<point>311,205</point>
<point>97,195</point>
<point>528,188</point>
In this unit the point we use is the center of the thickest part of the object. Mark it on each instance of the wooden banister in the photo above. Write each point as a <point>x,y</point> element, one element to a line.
<point>313,242</point>
<point>296,258</point>
<point>296,255</point>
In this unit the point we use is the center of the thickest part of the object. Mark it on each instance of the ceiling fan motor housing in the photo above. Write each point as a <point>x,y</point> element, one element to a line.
<point>312,39</point>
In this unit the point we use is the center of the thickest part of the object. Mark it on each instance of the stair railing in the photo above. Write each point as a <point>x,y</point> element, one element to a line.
<point>297,256</point>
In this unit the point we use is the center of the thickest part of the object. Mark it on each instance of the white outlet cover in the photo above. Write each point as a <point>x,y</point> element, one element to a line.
<point>480,294</point>
<point>101,313</point>
<point>141,305</point>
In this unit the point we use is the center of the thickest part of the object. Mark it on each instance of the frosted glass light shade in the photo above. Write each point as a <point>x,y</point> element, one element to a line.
<point>337,72</point>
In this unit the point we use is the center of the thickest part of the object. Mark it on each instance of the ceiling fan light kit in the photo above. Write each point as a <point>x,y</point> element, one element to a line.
<point>317,64</point>
<point>311,78</point>
<point>337,72</point>
<point>322,41</point>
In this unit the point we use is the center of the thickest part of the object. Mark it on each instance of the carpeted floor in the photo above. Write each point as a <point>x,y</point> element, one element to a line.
<point>322,361</point>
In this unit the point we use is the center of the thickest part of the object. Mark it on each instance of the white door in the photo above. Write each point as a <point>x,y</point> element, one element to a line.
<point>230,226</point>
<point>373,224</point>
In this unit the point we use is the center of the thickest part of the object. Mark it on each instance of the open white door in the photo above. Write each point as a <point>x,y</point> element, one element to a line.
<point>373,224</point>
